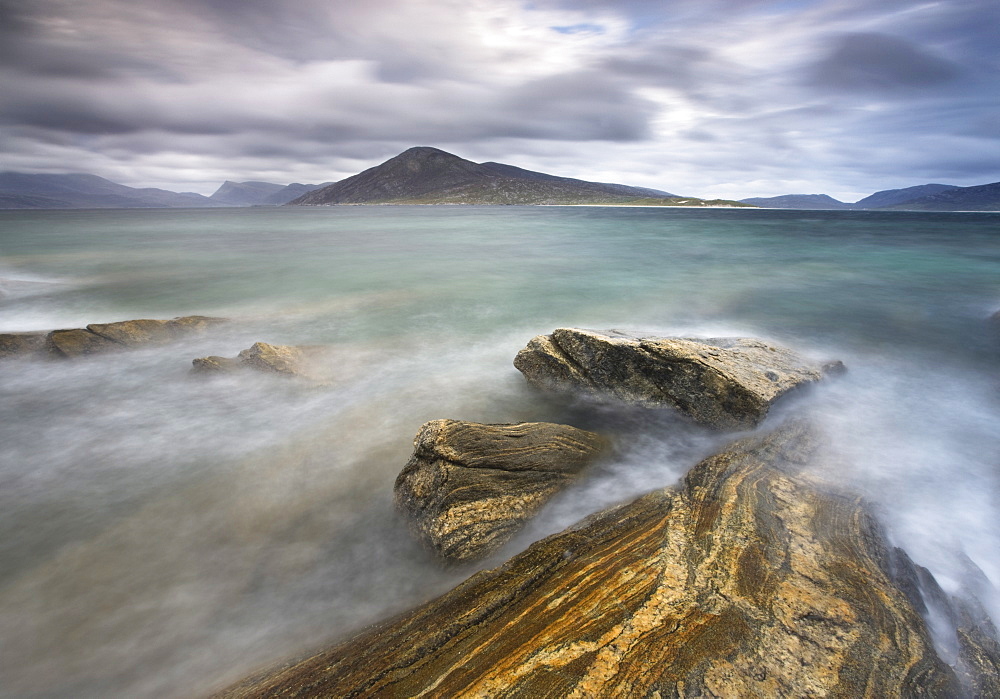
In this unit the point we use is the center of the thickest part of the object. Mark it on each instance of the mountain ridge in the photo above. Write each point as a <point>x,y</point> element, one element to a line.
<point>427,175</point>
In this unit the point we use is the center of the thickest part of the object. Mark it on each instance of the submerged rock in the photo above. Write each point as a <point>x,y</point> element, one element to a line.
<point>747,580</point>
<point>725,383</point>
<point>103,337</point>
<point>302,361</point>
<point>22,344</point>
<point>469,487</point>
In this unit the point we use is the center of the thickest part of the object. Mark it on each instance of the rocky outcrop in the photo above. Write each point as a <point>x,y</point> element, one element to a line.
<point>306,361</point>
<point>97,338</point>
<point>747,580</point>
<point>727,383</point>
<point>21,344</point>
<point>469,487</point>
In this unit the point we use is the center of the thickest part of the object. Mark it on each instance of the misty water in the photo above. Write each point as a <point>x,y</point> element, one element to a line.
<point>164,534</point>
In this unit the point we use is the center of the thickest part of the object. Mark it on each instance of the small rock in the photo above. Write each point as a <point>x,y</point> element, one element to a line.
<point>302,361</point>
<point>469,487</point>
<point>209,365</point>
<point>725,383</point>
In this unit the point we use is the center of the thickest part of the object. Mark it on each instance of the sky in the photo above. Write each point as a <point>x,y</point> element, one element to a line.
<point>710,98</point>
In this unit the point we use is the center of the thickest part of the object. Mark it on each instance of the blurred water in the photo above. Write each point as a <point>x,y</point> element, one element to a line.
<point>162,535</point>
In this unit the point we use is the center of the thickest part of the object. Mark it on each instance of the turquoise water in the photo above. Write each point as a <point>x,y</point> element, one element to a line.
<point>162,535</point>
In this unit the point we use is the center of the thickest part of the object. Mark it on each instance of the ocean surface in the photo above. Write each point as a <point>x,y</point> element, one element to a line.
<point>164,534</point>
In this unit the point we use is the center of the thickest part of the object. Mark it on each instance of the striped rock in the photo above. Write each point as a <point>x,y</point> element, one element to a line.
<point>725,383</point>
<point>469,487</point>
<point>747,580</point>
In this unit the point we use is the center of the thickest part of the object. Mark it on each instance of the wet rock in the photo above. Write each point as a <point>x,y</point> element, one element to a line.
<point>277,359</point>
<point>302,361</point>
<point>216,365</point>
<point>103,337</point>
<point>134,333</point>
<point>727,383</point>
<point>975,641</point>
<point>747,580</point>
<point>22,344</point>
<point>78,342</point>
<point>469,487</point>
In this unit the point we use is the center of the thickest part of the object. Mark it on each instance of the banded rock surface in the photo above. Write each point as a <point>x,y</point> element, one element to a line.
<point>725,383</point>
<point>469,487</point>
<point>747,580</point>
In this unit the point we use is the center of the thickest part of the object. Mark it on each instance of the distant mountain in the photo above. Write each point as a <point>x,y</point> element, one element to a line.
<point>924,197</point>
<point>892,197</point>
<point>260,193</point>
<point>602,187</point>
<point>984,197</point>
<point>798,201</point>
<point>75,191</point>
<point>424,175</point>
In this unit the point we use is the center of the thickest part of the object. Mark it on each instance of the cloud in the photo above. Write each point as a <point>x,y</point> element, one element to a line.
<point>875,62</point>
<point>690,96</point>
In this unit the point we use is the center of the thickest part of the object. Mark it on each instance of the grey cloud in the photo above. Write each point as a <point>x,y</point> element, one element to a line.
<point>682,67</point>
<point>869,61</point>
<point>577,106</point>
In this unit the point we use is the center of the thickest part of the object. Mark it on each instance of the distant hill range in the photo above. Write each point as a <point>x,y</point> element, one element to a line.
<point>925,197</point>
<point>424,175</point>
<point>22,191</point>
<point>260,193</point>
<point>79,191</point>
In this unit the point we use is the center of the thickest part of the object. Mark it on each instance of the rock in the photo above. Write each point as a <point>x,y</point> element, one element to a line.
<point>747,580</point>
<point>133,333</point>
<point>78,342</point>
<point>211,365</point>
<point>302,361</point>
<point>104,337</point>
<point>469,487</point>
<point>22,344</point>
<point>278,359</point>
<point>727,383</point>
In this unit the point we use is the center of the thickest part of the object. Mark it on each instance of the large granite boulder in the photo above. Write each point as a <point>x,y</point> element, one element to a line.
<point>725,383</point>
<point>97,338</point>
<point>747,580</point>
<point>311,362</point>
<point>469,487</point>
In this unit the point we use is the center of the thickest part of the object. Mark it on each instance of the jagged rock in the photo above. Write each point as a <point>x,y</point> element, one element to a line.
<point>747,580</point>
<point>305,361</point>
<point>727,383</point>
<point>469,487</point>
<point>22,344</point>
<point>976,637</point>
<point>103,337</point>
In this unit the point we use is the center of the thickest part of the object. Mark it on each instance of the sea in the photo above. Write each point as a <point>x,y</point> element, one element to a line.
<point>164,534</point>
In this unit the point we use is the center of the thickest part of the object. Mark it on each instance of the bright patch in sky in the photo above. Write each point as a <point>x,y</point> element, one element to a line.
<point>583,28</point>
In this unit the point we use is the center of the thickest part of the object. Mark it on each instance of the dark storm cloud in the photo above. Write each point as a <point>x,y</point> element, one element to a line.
<point>879,62</point>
